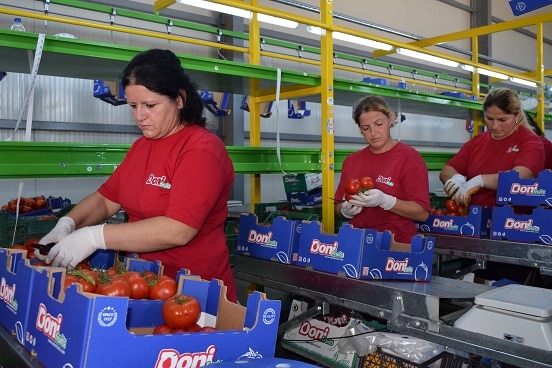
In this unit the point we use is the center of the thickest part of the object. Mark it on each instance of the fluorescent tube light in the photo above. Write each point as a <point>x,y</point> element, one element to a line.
<point>523,81</point>
<point>265,18</point>
<point>488,73</point>
<point>316,30</point>
<point>353,39</point>
<point>427,57</point>
<point>362,41</point>
<point>217,8</point>
<point>208,5</point>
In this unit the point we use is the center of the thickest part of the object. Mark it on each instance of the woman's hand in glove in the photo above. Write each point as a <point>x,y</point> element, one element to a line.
<point>468,189</point>
<point>453,184</point>
<point>64,227</point>
<point>349,211</point>
<point>373,198</point>
<point>77,246</point>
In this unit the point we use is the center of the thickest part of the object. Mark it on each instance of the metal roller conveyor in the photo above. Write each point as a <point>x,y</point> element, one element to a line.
<point>424,310</point>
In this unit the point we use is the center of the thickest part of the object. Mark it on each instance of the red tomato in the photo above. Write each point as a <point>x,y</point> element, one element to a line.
<point>352,186</point>
<point>460,210</point>
<point>40,203</point>
<point>30,241</point>
<point>163,288</point>
<point>69,280</point>
<point>194,328</point>
<point>207,329</point>
<point>138,285</point>
<point>162,329</point>
<point>115,271</point>
<point>18,246</point>
<point>366,183</point>
<point>118,286</point>
<point>83,265</point>
<point>451,206</point>
<point>439,212</point>
<point>87,278</point>
<point>181,311</point>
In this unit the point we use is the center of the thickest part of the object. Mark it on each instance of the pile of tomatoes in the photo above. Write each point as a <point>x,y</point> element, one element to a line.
<point>356,185</point>
<point>451,209</point>
<point>117,281</point>
<point>26,204</point>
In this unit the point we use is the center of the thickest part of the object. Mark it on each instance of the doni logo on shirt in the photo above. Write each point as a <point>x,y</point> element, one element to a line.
<point>384,180</point>
<point>158,181</point>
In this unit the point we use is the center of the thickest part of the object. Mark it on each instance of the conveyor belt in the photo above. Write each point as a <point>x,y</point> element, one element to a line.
<point>411,308</point>
<point>525,254</point>
<point>13,354</point>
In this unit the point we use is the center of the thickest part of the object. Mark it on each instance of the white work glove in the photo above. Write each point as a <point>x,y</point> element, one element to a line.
<point>373,198</point>
<point>64,227</point>
<point>349,211</point>
<point>468,189</point>
<point>77,246</point>
<point>453,184</point>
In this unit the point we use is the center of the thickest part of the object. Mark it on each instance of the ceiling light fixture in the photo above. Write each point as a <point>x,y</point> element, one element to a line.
<point>208,5</point>
<point>488,73</point>
<point>427,57</point>
<point>523,82</point>
<point>353,39</point>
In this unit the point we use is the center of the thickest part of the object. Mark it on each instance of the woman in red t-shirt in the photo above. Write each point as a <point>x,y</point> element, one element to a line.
<point>173,184</point>
<point>401,185</point>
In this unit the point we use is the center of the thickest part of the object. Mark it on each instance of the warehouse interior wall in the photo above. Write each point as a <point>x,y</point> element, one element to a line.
<point>64,109</point>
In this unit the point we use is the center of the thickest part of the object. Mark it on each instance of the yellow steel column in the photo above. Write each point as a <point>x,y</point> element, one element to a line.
<point>327,117</point>
<point>475,59</point>
<point>254,104</point>
<point>539,77</point>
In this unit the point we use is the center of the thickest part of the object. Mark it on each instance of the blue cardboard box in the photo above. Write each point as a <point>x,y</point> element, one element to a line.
<point>77,329</point>
<point>525,192</point>
<point>16,288</point>
<point>275,242</point>
<point>310,198</point>
<point>390,260</point>
<point>525,228</point>
<point>476,224</point>
<point>339,254</point>
<point>365,253</point>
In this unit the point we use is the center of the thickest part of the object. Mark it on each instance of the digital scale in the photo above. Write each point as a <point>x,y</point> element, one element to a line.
<point>517,313</point>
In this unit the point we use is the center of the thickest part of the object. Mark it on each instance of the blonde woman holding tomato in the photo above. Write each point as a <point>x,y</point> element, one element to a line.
<point>400,193</point>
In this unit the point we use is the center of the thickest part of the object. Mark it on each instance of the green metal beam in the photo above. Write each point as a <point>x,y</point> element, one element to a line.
<point>64,159</point>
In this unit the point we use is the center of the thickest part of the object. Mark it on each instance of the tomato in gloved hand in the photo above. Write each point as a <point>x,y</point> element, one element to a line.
<point>366,183</point>
<point>352,186</point>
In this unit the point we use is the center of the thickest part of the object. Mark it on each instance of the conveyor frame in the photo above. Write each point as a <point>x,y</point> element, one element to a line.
<point>411,308</point>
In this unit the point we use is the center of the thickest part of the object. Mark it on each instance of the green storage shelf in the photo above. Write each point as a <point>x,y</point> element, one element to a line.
<point>50,160</point>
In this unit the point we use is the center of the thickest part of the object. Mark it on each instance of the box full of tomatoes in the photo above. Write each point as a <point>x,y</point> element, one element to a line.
<point>365,253</point>
<point>475,223</point>
<point>35,206</point>
<point>277,241</point>
<point>73,328</point>
<point>17,231</point>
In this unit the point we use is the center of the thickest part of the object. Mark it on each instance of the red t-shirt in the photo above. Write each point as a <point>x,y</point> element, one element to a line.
<point>547,152</point>
<point>484,155</point>
<point>400,172</point>
<point>186,177</point>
